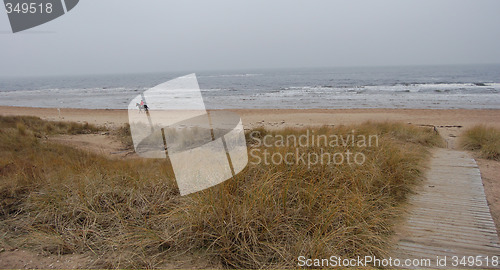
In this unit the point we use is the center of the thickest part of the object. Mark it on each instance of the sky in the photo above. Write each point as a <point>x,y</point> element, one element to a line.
<point>131,36</point>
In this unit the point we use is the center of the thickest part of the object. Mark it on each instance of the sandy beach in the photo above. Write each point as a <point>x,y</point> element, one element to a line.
<point>449,122</point>
<point>252,135</point>
<point>285,117</point>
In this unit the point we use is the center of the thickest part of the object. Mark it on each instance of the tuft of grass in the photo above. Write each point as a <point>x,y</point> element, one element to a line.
<point>39,127</point>
<point>408,133</point>
<point>21,128</point>
<point>124,135</point>
<point>129,214</point>
<point>483,140</point>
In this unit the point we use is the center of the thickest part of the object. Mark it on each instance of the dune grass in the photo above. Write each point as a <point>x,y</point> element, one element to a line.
<point>128,213</point>
<point>483,140</point>
<point>39,127</point>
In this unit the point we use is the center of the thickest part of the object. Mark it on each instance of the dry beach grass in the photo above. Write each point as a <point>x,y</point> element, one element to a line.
<point>485,140</point>
<point>127,213</point>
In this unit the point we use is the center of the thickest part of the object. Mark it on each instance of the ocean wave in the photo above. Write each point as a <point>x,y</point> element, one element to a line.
<point>230,75</point>
<point>396,88</point>
<point>457,95</point>
<point>73,91</point>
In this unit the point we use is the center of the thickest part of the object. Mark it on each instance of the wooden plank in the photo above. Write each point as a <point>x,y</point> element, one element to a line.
<point>449,215</point>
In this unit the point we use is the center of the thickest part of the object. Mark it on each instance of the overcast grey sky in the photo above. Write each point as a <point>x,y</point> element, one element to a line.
<point>124,36</point>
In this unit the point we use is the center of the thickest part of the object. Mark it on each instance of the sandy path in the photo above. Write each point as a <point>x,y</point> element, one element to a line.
<point>102,144</point>
<point>23,259</point>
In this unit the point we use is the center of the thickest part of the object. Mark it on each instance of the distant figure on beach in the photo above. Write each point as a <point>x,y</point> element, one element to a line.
<point>139,106</point>
<point>142,106</point>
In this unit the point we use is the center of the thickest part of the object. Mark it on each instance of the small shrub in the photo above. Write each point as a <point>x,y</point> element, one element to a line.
<point>41,127</point>
<point>483,140</point>
<point>124,135</point>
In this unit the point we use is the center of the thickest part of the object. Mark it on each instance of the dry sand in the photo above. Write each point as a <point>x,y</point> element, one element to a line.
<point>490,174</point>
<point>291,118</point>
<point>450,123</point>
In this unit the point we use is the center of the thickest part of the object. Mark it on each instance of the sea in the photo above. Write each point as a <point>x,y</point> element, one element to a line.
<point>412,87</point>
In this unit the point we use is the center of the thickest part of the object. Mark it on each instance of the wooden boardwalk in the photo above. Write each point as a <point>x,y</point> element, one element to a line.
<point>449,216</point>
